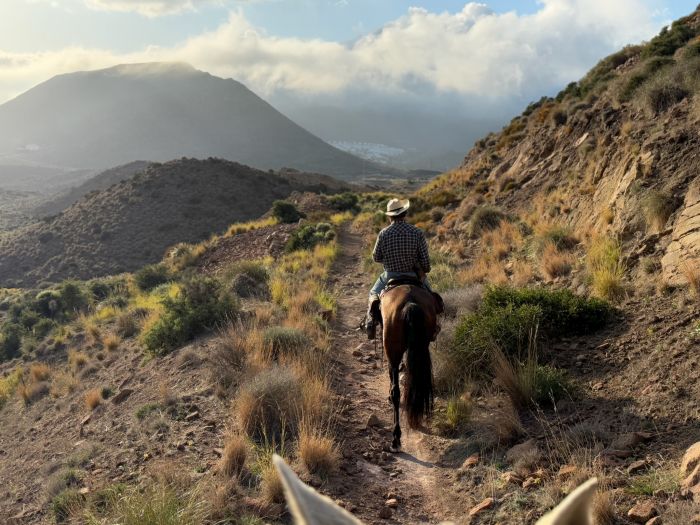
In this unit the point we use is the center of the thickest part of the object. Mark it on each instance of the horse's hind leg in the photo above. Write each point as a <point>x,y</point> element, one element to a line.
<point>395,400</point>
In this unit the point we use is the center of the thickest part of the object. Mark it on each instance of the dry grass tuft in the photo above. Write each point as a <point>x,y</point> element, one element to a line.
<point>77,360</point>
<point>39,372</point>
<point>234,456</point>
<point>317,450</point>
<point>691,272</point>
<point>458,412</point>
<point>93,398</point>
<point>603,509</point>
<point>271,488</point>
<point>554,263</point>
<point>504,425</point>
<point>269,403</point>
<point>606,268</point>
<point>657,207</point>
<point>111,342</point>
<point>522,273</point>
<point>32,392</point>
<point>63,383</point>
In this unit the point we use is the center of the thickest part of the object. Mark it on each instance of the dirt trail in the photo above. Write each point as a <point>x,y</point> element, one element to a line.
<point>374,474</point>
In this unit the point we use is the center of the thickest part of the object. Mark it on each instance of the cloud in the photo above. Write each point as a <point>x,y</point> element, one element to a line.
<point>150,8</point>
<point>475,57</point>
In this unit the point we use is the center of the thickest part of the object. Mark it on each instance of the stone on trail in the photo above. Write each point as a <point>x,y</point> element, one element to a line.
<point>122,395</point>
<point>528,450</point>
<point>642,512</point>
<point>385,513</point>
<point>637,466</point>
<point>392,503</point>
<point>486,504</point>
<point>471,461</point>
<point>690,460</point>
<point>656,520</point>
<point>373,421</point>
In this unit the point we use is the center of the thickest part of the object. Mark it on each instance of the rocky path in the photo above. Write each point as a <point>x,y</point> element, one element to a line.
<point>381,487</point>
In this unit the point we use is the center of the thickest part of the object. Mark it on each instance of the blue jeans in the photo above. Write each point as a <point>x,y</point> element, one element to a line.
<point>385,277</point>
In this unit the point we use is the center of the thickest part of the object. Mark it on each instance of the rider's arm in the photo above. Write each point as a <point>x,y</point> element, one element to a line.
<point>377,254</point>
<point>423,256</point>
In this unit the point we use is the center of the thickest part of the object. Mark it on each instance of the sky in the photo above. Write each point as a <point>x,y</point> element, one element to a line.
<point>454,57</point>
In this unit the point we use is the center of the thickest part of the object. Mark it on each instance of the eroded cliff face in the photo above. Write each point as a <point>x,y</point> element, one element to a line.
<point>595,172</point>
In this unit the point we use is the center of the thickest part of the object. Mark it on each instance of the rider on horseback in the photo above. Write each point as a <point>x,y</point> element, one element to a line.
<point>403,250</point>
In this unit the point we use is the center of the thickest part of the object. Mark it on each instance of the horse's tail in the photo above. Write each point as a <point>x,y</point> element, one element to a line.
<point>418,391</point>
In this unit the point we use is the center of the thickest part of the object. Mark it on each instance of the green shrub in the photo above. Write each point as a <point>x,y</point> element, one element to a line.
<point>73,297</point>
<point>511,318</point>
<point>347,201</point>
<point>256,270</point>
<point>286,212</point>
<point>65,504</point>
<point>669,40</point>
<point>10,341</point>
<point>282,340</point>
<point>458,413</point>
<point>636,80</point>
<point>549,385</point>
<point>48,303</point>
<point>606,268</point>
<point>99,290</point>
<point>43,328</point>
<point>152,276</point>
<point>201,305</point>
<point>306,237</point>
<point>483,219</point>
<point>563,312</point>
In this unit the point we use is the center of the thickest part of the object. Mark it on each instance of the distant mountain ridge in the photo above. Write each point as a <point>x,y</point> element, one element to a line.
<point>159,111</point>
<point>132,223</point>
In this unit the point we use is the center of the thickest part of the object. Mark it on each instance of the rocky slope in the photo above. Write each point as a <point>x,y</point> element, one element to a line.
<point>99,182</point>
<point>615,153</point>
<point>131,223</point>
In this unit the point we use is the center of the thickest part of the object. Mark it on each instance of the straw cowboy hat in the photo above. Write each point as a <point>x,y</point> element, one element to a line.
<point>396,207</point>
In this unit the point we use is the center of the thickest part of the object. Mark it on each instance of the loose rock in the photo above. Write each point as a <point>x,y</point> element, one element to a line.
<point>486,504</point>
<point>642,512</point>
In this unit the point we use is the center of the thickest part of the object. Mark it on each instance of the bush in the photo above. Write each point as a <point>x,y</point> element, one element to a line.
<point>347,201</point>
<point>511,318</point>
<point>72,297</point>
<point>309,236</point>
<point>286,212</point>
<point>632,84</point>
<point>282,340</point>
<point>152,276</point>
<point>200,305</point>
<point>65,504</point>
<point>43,327</point>
<point>10,341</point>
<point>663,95</point>
<point>529,383</point>
<point>606,268</point>
<point>483,219</point>
<point>657,207</point>
<point>669,40</point>
<point>269,405</point>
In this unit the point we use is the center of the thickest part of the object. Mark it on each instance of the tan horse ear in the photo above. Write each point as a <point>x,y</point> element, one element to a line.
<point>575,509</point>
<point>307,506</point>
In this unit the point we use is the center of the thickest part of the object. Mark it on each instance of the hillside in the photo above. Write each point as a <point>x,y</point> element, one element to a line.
<point>100,119</point>
<point>131,223</point>
<point>100,181</point>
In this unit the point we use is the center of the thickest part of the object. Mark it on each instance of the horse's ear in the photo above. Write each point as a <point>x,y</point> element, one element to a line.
<point>575,509</point>
<point>307,506</point>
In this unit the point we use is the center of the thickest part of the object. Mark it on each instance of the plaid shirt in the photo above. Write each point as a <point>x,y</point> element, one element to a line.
<point>401,247</point>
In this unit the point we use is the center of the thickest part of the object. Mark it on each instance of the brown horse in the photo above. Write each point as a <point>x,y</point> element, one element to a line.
<point>409,319</point>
